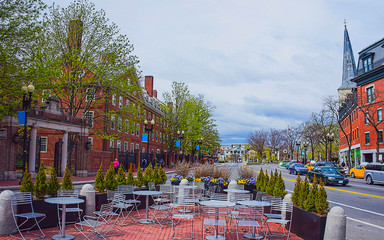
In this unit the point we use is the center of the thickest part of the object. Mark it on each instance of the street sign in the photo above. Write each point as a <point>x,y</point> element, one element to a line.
<point>144,138</point>
<point>21,117</point>
<point>197,147</point>
<point>178,144</point>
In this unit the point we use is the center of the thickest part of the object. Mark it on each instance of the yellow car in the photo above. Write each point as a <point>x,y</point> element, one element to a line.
<point>357,171</point>
<point>310,166</point>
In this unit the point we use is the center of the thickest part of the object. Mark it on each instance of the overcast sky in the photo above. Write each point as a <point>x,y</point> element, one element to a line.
<point>262,63</point>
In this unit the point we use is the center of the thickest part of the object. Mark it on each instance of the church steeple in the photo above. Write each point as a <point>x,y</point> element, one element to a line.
<point>349,67</point>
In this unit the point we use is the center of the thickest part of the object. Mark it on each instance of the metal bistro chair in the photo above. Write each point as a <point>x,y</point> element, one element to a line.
<point>24,200</point>
<point>250,218</point>
<point>236,212</point>
<point>119,203</point>
<point>216,217</point>
<point>128,190</point>
<point>73,208</point>
<point>286,218</point>
<point>181,218</point>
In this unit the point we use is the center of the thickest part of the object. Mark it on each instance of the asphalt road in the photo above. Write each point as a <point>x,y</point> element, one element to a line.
<point>363,204</point>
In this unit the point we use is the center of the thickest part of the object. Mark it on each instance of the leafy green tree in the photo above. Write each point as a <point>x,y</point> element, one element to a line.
<point>304,192</point>
<point>110,181</point>
<point>321,202</point>
<point>139,182</point>
<point>26,183</point>
<point>309,203</point>
<point>20,26</point>
<point>130,179</point>
<point>279,190</point>
<point>67,181</point>
<point>41,182</point>
<point>53,183</point>
<point>99,181</point>
<point>120,176</point>
<point>297,191</point>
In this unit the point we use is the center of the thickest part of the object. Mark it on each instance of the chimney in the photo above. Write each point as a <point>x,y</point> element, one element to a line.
<point>149,85</point>
<point>155,93</point>
<point>75,35</point>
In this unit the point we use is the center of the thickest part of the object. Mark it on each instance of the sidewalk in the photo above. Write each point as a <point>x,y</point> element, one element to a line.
<point>14,184</point>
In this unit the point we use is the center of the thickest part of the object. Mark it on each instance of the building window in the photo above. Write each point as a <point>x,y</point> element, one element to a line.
<point>114,99</point>
<point>118,144</point>
<point>120,124</point>
<point>367,138</point>
<point>379,115</point>
<point>137,146</point>
<point>357,133</point>
<point>120,101</point>
<point>380,136</point>
<point>143,150</point>
<point>43,144</point>
<point>158,151</point>
<point>89,115</point>
<point>132,147</point>
<point>370,95</point>
<point>127,103</point>
<point>113,122</point>
<point>90,94</point>
<point>138,130</point>
<point>367,64</point>
<point>125,146</point>
<point>111,143</point>
<point>366,118</point>
<point>46,94</point>
<point>126,125</point>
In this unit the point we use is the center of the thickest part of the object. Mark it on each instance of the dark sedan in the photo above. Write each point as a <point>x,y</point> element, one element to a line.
<point>298,168</point>
<point>331,164</point>
<point>291,162</point>
<point>329,175</point>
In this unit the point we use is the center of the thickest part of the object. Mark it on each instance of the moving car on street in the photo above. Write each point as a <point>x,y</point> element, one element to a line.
<point>329,175</point>
<point>298,168</point>
<point>374,173</point>
<point>357,171</point>
<point>287,164</point>
<point>331,164</point>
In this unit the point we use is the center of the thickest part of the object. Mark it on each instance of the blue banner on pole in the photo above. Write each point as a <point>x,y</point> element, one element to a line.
<point>144,138</point>
<point>178,144</point>
<point>21,117</point>
<point>197,147</point>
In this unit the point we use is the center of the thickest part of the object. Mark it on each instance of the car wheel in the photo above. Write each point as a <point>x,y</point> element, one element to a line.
<point>295,172</point>
<point>353,175</point>
<point>344,184</point>
<point>369,180</point>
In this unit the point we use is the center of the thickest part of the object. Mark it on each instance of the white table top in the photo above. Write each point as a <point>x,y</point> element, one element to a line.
<point>147,192</point>
<point>184,186</point>
<point>254,203</point>
<point>236,190</point>
<point>217,203</point>
<point>64,200</point>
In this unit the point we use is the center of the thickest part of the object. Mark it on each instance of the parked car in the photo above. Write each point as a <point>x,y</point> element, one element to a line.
<point>341,170</point>
<point>374,173</point>
<point>310,166</point>
<point>329,175</point>
<point>357,171</point>
<point>298,168</point>
<point>287,165</point>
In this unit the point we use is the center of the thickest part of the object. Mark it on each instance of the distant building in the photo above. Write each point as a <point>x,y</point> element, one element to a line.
<point>234,150</point>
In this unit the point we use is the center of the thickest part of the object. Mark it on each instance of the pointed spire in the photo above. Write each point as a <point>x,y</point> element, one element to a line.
<point>349,66</point>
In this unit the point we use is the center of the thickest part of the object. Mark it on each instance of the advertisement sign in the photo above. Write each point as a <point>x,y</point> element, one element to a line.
<point>144,138</point>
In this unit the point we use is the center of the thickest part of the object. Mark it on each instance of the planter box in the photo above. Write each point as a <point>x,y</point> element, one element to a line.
<point>101,198</point>
<point>252,189</point>
<point>175,182</point>
<point>307,225</point>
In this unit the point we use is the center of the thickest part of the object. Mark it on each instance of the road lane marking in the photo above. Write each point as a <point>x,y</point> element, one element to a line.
<point>360,209</point>
<point>366,223</point>
<point>332,188</point>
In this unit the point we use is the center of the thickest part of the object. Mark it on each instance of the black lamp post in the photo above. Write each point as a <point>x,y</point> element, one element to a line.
<point>330,138</point>
<point>305,145</point>
<point>148,129</point>
<point>27,99</point>
<point>200,142</point>
<point>298,143</point>
<point>180,136</point>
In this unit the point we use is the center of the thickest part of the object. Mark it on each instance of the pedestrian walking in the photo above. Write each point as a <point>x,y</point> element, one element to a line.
<point>162,163</point>
<point>116,165</point>
<point>144,164</point>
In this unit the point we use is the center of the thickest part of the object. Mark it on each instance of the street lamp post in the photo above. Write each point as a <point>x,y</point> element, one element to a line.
<point>200,142</point>
<point>305,145</point>
<point>148,129</point>
<point>27,99</point>
<point>330,138</point>
<point>180,136</point>
<point>298,143</point>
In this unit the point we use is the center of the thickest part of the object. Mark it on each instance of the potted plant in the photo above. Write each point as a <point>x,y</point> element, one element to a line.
<point>120,180</point>
<point>110,181</point>
<point>53,183</point>
<point>67,181</point>
<point>130,178</point>
<point>41,183</point>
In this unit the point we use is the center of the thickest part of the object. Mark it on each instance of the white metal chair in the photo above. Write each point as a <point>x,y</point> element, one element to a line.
<point>181,218</point>
<point>100,225</point>
<point>73,208</point>
<point>216,217</point>
<point>24,201</point>
<point>276,209</point>
<point>118,202</point>
<point>130,199</point>
<point>234,213</point>
<point>286,217</point>
<point>250,218</point>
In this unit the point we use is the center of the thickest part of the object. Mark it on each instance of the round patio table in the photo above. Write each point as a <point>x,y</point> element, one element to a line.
<point>146,193</point>
<point>63,201</point>
<point>217,205</point>
<point>250,204</point>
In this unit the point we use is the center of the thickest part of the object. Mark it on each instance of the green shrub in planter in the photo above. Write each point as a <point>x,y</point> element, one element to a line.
<point>321,202</point>
<point>156,176</point>
<point>67,181</point>
<point>130,179</point>
<point>296,191</point>
<point>259,180</point>
<point>41,182</point>
<point>53,183</point>
<point>139,178</point>
<point>162,175</point>
<point>309,203</point>
<point>110,181</point>
<point>26,182</point>
<point>148,175</point>
<point>304,191</point>
<point>279,190</point>
<point>265,182</point>
<point>99,181</point>
<point>120,176</point>
<point>271,184</point>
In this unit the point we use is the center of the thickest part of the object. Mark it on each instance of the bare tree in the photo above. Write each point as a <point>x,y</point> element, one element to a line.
<point>274,139</point>
<point>257,141</point>
<point>311,134</point>
<point>289,137</point>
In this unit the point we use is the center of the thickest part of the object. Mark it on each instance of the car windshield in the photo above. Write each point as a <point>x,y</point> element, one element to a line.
<point>328,164</point>
<point>329,170</point>
<point>299,165</point>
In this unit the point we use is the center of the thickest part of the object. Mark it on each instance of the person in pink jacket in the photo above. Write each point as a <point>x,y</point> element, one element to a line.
<point>116,165</point>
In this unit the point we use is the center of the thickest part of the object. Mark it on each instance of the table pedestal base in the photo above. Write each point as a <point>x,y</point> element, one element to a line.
<point>215,237</point>
<point>253,236</point>
<point>146,221</point>
<point>66,236</point>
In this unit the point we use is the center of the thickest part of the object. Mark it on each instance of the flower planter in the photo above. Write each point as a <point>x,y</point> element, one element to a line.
<point>252,189</point>
<point>101,198</point>
<point>308,225</point>
<point>175,182</point>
